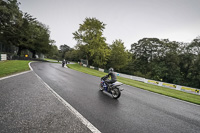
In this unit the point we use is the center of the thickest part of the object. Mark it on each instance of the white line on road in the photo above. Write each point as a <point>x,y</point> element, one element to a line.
<point>67,105</point>
<point>29,64</point>
<point>15,75</point>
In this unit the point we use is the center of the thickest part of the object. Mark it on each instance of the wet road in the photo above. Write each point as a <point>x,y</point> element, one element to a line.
<point>27,106</point>
<point>137,110</point>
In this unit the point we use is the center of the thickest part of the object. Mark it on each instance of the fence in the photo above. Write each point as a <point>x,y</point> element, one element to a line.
<point>154,82</point>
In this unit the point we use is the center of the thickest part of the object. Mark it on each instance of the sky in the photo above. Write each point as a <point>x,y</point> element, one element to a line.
<point>128,20</point>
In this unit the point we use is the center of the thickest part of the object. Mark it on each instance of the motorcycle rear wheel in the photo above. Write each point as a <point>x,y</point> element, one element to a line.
<point>116,93</point>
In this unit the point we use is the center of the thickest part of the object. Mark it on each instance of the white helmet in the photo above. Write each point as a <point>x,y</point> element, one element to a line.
<point>111,69</point>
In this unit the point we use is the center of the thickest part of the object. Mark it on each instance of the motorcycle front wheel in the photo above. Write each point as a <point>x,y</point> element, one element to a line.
<point>100,87</point>
<point>116,93</point>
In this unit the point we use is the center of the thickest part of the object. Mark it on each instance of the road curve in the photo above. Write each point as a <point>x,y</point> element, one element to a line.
<point>136,111</point>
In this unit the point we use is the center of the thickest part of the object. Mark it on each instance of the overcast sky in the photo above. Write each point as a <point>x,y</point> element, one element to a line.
<point>128,20</point>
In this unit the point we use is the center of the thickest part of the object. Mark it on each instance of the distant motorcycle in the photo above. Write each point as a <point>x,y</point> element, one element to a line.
<point>115,88</point>
<point>63,63</point>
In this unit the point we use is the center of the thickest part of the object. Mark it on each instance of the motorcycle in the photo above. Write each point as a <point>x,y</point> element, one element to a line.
<point>114,88</point>
<point>63,63</point>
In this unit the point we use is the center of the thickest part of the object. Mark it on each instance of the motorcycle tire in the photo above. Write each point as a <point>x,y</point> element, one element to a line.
<point>101,87</point>
<point>116,93</point>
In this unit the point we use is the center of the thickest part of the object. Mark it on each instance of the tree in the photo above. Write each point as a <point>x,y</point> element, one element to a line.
<point>145,51</point>
<point>195,46</point>
<point>72,55</point>
<point>119,55</point>
<point>24,39</point>
<point>33,36</point>
<point>91,42</point>
<point>53,52</point>
<point>10,21</point>
<point>157,59</point>
<point>194,75</point>
<point>39,38</point>
<point>23,31</point>
<point>192,63</point>
<point>64,48</point>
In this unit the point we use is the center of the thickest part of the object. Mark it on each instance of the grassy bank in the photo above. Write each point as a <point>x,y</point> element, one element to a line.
<point>13,66</point>
<point>157,89</point>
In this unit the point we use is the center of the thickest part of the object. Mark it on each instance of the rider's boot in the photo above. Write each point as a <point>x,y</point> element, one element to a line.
<point>109,88</point>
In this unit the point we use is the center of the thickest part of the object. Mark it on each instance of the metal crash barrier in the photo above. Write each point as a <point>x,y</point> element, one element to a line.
<point>3,57</point>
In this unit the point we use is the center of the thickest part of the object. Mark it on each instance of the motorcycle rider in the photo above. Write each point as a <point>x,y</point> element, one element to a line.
<point>113,78</point>
<point>63,63</point>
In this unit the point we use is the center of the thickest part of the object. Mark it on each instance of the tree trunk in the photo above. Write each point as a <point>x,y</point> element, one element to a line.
<point>19,51</point>
<point>34,54</point>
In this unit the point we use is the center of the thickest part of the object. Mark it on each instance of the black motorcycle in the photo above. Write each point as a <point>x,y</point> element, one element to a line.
<point>63,63</point>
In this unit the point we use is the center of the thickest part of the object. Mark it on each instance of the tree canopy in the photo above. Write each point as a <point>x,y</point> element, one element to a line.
<point>119,57</point>
<point>91,43</point>
<point>22,30</point>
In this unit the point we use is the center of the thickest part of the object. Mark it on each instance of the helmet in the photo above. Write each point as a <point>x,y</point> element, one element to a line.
<point>111,69</point>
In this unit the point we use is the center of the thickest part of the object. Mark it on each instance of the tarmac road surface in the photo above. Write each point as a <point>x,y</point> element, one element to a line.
<point>136,111</point>
<point>27,106</point>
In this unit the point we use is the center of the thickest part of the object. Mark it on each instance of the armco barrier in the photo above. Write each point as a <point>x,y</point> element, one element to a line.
<point>173,86</point>
<point>137,78</point>
<point>123,75</point>
<point>154,82</point>
<point>183,88</point>
<point>102,70</point>
<point>3,57</point>
<point>131,77</point>
<point>92,67</point>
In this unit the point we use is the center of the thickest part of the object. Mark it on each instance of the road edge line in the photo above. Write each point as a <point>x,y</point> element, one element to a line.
<point>13,75</point>
<point>68,106</point>
<point>29,64</point>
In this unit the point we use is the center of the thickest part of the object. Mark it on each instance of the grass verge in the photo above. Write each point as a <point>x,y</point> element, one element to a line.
<point>157,89</point>
<point>13,66</point>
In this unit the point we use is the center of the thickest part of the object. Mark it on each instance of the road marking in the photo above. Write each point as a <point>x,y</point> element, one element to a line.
<point>15,75</point>
<point>68,106</point>
<point>29,64</point>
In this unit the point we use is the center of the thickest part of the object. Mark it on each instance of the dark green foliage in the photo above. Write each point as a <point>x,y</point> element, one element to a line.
<point>166,61</point>
<point>63,49</point>
<point>119,56</point>
<point>22,30</point>
<point>91,43</point>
